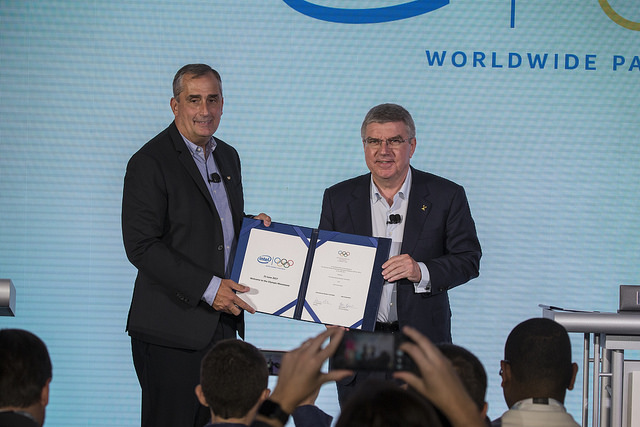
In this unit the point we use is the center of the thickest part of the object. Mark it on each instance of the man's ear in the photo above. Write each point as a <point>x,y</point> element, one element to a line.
<point>574,368</point>
<point>485,409</point>
<point>44,394</point>
<point>174,106</point>
<point>265,395</point>
<point>505,369</point>
<point>200,395</point>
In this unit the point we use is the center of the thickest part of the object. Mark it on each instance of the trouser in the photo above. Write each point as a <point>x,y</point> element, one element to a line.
<point>168,377</point>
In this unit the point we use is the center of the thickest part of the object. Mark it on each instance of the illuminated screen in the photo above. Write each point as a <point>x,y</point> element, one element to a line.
<point>531,106</point>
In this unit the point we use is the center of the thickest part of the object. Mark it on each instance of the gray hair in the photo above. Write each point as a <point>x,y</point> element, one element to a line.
<point>385,113</point>
<point>195,71</point>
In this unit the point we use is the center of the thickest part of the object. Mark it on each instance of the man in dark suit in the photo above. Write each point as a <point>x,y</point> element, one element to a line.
<point>182,209</point>
<point>434,242</point>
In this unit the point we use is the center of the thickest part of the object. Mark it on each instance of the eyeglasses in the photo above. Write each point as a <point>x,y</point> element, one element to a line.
<point>391,142</point>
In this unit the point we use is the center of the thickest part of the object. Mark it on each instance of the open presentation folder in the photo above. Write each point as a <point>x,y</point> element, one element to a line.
<point>309,274</point>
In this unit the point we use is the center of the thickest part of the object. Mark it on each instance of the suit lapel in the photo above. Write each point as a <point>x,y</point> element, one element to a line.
<point>360,207</point>
<point>186,159</point>
<point>418,210</point>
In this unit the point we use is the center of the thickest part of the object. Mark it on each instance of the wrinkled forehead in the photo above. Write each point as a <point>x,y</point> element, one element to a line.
<point>385,130</point>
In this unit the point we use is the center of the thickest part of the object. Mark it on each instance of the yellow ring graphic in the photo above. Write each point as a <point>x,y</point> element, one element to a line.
<point>615,17</point>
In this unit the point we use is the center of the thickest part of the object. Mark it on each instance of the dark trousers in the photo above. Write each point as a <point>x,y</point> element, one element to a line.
<point>168,377</point>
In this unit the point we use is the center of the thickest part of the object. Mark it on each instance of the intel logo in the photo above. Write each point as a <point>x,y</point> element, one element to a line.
<point>373,15</point>
<point>264,259</point>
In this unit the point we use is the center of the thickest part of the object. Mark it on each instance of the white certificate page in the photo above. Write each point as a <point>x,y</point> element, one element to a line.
<point>339,283</point>
<point>272,267</point>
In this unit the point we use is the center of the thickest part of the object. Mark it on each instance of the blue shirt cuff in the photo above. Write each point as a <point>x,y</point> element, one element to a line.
<point>212,290</point>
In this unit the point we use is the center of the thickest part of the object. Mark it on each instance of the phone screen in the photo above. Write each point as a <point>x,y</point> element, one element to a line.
<point>366,351</point>
<point>274,359</point>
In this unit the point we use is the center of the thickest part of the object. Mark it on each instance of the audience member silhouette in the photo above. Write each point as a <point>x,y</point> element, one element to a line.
<point>471,373</point>
<point>25,375</point>
<point>536,373</point>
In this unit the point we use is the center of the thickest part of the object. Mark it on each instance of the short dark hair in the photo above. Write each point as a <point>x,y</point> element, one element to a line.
<point>469,369</point>
<point>386,113</point>
<point>386,404</point>
<point>25,368</point>
<point>195,71</point>
<point>539,352</point>
<point>233,375</point>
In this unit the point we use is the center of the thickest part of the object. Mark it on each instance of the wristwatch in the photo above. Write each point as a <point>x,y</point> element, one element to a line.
<point>271,409</point>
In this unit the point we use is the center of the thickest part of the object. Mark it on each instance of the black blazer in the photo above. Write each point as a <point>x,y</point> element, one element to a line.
<point>172,234</point>
<point>438,231</point>
<point>13,419</point>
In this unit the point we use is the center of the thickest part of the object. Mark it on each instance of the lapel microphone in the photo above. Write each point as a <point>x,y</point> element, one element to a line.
<point>394,219</point>
<point>215,178</point>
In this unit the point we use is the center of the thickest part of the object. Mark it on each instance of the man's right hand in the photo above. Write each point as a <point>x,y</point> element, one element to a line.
<point>227,300</point>
<point>300,375</point>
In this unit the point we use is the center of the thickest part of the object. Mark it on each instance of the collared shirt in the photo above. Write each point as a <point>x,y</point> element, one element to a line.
<point>380,211</point>
<point>541,412</point>
<point>218,193</point>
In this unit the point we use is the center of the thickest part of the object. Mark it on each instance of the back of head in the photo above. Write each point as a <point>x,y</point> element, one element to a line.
<point>386,113</point>
<point>233,376</point>
<point>385,404</point>
<point>538,351</point>
<point>25,368</point>
<point>469,369</point>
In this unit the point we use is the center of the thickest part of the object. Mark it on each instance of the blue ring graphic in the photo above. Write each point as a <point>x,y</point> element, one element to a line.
<point>366,16</point>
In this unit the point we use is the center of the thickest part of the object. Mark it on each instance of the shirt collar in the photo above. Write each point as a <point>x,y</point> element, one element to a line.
<point>536,401</point>
<point>193,148</point>
<point>403,193</point>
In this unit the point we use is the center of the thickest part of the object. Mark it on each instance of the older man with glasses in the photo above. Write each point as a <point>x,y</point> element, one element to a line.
<point>434,242</point>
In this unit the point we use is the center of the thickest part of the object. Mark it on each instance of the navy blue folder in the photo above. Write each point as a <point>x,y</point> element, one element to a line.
<point>314,238</point>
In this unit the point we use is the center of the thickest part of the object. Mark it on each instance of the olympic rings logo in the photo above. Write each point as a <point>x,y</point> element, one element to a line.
<point>344,254</point>
<point>279,262</point>
<point>282,262</point>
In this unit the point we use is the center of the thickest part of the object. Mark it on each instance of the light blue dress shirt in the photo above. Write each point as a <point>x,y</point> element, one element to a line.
<point>218,193</point>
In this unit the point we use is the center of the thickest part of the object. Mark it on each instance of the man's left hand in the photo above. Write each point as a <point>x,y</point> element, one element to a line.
<point>401,267</point>
<point>266,219</point>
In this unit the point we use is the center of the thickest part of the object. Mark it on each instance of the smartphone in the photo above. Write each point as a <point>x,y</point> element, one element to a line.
<point>274,360</point>
<point>372,351</point>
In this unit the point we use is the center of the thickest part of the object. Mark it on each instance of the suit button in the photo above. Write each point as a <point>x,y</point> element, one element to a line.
<point>220,247</point>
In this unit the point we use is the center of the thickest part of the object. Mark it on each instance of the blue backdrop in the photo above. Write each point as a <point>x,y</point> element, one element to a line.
<point>531,106</point>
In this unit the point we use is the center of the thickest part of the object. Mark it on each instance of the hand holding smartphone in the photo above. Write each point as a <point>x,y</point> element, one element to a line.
<point>372,351</point>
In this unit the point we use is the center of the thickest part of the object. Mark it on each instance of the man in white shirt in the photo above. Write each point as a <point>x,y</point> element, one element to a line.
<point>536,373</point>
<point>434,242</point>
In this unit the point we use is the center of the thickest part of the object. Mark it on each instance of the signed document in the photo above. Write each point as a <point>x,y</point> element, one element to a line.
<point>309,274</point>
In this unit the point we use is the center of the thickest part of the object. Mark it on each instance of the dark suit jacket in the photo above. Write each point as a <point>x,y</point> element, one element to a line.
<point>173,236</point>
<point>13,419</point>
<point>438,231</point>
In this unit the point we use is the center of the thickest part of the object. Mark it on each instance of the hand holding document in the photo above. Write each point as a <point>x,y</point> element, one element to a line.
<point>309,274</point>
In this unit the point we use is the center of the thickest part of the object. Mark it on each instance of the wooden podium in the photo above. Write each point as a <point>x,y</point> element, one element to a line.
<point>613,333</point>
